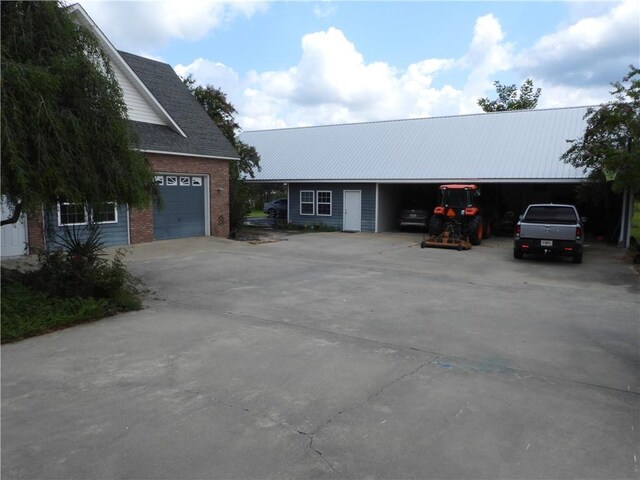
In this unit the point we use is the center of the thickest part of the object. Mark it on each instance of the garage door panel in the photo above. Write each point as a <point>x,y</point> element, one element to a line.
<point>182,213</point>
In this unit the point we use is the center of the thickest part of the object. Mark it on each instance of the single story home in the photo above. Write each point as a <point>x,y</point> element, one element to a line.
<point>357,177</point>
<point>188,152</point>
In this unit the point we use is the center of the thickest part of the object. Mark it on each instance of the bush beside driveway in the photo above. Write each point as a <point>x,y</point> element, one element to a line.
<point>335,355</point>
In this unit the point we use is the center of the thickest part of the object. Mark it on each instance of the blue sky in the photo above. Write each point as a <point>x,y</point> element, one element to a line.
<point>285,64</point>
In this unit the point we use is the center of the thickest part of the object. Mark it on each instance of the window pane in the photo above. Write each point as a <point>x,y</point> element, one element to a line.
<point>72,213</point>
<point>324,203</point>
<point>105,212</point>
<point>306,197</point>
<point>306,208</point>
<point>324,197</point>
<point>324,209</point>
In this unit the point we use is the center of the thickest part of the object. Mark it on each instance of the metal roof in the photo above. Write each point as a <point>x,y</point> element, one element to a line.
<point>512,146</point>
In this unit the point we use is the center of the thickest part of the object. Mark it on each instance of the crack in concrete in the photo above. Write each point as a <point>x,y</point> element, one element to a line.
<point>276,420</point>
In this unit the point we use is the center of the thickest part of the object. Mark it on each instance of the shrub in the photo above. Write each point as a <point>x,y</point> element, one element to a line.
<point>79,271</point>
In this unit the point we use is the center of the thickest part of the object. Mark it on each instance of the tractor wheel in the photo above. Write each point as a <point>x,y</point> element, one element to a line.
<point>486,233</point>
<point>475,230</point>
<point>436,225</point>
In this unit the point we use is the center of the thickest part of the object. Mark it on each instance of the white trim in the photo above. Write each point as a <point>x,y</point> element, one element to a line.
<point>312,202</point>
<point>117,58</point>
<point>318,203</point>
<point>207,205</point>
<point>115,211</point>
<point>84,208</point>
<point>436,181</point>
<point>178,154</point>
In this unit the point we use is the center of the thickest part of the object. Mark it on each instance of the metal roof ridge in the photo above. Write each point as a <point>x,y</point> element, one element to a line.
<point>398,120</point>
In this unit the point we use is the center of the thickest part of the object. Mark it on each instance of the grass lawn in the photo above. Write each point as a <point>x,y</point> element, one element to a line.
<point>256,213</point>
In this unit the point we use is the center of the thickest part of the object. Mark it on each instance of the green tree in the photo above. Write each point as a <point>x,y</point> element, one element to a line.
<point>222,112</point>
<point>64,130</point>
<point>509,98</point>
<point>611,141</point>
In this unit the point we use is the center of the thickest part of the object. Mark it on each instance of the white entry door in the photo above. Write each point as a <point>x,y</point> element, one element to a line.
<point>14,236</point>
<point>352,211</point>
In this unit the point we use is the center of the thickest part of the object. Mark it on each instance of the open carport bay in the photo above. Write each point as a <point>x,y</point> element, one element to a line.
<point>503,202</point>
<point>336,355</point>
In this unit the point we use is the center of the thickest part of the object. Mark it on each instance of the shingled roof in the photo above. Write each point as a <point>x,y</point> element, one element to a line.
<point>203,137</point>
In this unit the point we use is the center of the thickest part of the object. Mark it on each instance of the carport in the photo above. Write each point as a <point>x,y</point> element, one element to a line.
<point>503,201</point>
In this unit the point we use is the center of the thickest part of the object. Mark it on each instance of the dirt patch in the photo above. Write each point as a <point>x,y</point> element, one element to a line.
<point>260,236</point>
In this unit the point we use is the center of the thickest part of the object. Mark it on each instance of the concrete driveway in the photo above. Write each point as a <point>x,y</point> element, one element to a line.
<point>336,355</point>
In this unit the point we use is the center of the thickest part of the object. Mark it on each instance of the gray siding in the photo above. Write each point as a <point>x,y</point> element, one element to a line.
<point>113,234</point>
<point>368,190</point>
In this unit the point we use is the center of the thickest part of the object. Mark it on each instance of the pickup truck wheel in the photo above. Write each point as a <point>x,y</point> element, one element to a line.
<point>436,224</point>
<point>475,230</point>
<point>517,254</point>
<point>577,257</point>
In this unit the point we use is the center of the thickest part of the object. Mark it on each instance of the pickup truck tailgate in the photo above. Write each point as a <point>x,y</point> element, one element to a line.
<point>547,231</point>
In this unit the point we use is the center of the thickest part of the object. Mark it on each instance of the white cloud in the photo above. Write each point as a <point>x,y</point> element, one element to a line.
<point>594,50</point>
<point>325,10</point>
<point>216,74</point>
<point>488,55</point>
<point>332,82</point>
<point>142,25</point>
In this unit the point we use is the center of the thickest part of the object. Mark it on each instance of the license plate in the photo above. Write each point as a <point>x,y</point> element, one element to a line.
<point>412,215</point>
<point>546,243</point>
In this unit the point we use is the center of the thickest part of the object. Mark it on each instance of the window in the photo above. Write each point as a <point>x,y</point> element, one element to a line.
<point>196,181</point>
<point>324,203</point>
<point>172,181</point>
<point>71,214</point>
<point>105,213</point>
<point>306,202</point>
<point>159,180</point>
<point>185,181</point>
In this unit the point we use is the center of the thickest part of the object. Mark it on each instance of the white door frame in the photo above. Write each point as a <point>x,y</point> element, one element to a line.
<point>346,215</point>
<point>14,236</point>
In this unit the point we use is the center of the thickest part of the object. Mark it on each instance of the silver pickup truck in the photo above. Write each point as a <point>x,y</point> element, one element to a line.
<point>550,229</point>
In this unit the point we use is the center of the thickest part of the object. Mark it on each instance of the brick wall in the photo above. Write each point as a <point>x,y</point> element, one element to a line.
<point>35,232</point>
<point>141,221</point>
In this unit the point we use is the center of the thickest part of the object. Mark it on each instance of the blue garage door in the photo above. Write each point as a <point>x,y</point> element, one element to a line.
<point>183,212</point>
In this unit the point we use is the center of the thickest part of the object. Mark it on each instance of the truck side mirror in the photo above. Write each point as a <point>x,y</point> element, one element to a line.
<point>520,217</point>
<point>583,219</point>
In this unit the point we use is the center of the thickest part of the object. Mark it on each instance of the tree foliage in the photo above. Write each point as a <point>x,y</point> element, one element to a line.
<point>222,112</point>
<point>610,146</point>
<point>509,98</point>
<point>64,130</point>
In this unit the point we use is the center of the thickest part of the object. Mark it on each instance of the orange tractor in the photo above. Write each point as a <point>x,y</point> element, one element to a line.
<point>457,222</point>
